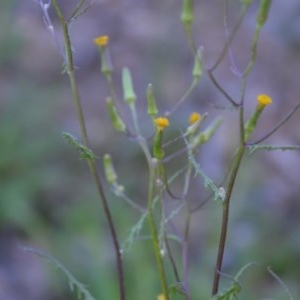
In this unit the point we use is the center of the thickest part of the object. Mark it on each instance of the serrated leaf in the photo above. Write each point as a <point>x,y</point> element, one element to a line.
<point>73,282</point>
<point>254,148</point>
<point>84,152</point>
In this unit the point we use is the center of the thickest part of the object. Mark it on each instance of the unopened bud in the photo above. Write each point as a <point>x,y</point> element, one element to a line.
<point>116,120</point>
<point>160,124</point>
<point>207,134</point>
<point>152,108</point>
<point>109,170</point>
<point>129,94</point>
<point>195,122</point>
<point>187,14</point>
<point>263,12</point>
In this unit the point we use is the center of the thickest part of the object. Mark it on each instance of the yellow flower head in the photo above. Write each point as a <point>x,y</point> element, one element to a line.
<point>102,40</point>
<point>161,297</point>
<point>194,117</point>
<point>264,100</point>
<point>161,123</point>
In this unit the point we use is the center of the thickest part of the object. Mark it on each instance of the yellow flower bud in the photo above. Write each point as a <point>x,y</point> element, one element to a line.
<point>264,100</point>
<point>106,65</point>
<point>161,123</point>
<point>101,41</point>
<point>194,117</point>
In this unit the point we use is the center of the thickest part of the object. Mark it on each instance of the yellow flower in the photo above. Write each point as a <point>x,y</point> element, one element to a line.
<point>264,100</point>
<point>102,40</point>
<point>161,123</point>
<point>194,117</point>
<point>161,297</point>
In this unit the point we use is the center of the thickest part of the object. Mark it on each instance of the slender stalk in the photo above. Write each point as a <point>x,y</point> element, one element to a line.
<point>281,123</point>
<point>153,167</point>
<point>185,241</point>
<point>253,51</point>
<point>226,48</point>
<point>185,254</point>
<point>183,99</point>
<point>225,216</point>
<point>221,89</point>
<point>172,259</point>
<point>91,164</point>
<point>230,38</point>
<point>154,235</point>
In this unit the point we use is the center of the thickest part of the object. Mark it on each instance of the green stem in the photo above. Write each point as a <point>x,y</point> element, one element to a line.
<point>183,99</point>
<point>226,204</point>
<point>253,52</point>
<point>185,254</point>
<point>225,216</point>
<point>91,164</point>
<point>153,167</point>
<point>154,235</point>
<point>185,242</point>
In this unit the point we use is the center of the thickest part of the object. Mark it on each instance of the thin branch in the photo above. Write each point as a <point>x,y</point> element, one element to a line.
<point>254,148</point>
<point>223,92</point>
<point>78,12</point>
<point>225,217</point>
<point>226,206</point>
<point>280,124</point>
<point>91,164</point>
<point>76,9</point>
<point>47,20</point>
<point>234,67</point>
<point>230,38</point>
<point>172,260</point>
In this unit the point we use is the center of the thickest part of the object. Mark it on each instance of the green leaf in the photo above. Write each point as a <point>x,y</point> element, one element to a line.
<point>207,181</point>
<point>254,148</point>
<point>73,282</point>
<point>84,151</point>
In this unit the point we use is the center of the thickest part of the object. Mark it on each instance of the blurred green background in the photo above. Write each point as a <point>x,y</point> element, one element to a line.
<point>47,197</point>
